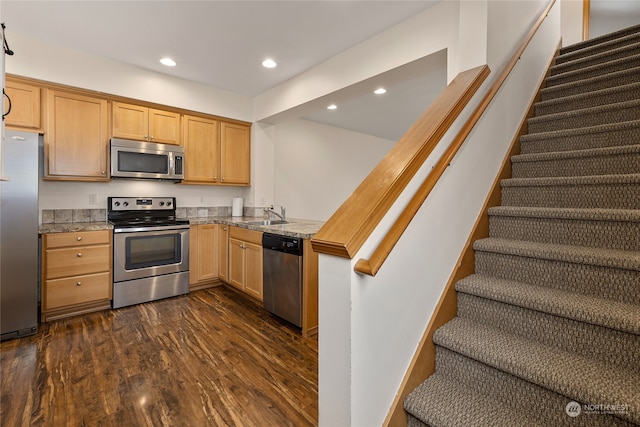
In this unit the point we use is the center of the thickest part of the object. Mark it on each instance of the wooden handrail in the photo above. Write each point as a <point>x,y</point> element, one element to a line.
<point>349,227</point>
<point>382,251</point>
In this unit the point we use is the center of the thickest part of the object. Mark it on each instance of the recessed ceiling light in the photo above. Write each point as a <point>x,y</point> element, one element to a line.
<point>168,62</point>
<point>269,63</point>
<point>380,91</point>
<point>332,107</point>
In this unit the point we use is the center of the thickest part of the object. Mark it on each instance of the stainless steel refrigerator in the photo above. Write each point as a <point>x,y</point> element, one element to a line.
<point>19,235</point>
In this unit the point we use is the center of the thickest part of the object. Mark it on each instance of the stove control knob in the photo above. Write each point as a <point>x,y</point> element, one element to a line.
<point>117,203</point>
<point>168,203</point>
<point>125,204</point>
<point>161,203</point>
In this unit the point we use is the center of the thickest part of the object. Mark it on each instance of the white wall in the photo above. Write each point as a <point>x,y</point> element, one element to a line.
<point>386,315</point>
<point>318,166</point>
<point>571,15</point>
<point>612,15</point>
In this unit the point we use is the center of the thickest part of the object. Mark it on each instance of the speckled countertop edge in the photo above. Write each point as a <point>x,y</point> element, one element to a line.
<point>300,228</point>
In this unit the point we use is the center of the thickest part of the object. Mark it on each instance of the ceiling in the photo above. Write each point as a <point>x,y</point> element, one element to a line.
<point>222,44</point>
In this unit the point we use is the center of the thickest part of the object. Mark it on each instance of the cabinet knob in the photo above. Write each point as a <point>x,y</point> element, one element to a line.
<point>78,283</point>
<point>79,254</point>
<point>79,238</point>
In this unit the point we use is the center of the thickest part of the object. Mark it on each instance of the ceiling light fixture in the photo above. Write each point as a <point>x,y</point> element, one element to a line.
<point>380,91</point>
<point>332,107</point>
<point>168,62</point>
<point>269,63</point>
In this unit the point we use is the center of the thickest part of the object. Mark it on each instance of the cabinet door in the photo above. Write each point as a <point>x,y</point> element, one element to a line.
<point>235,154</point>
<point>223,252</point>
<point>76,137</point>
<point>25,106</point>
<point>193,255</point>
<point>207,252</point>
<point>253,270</point>
<point>236,263</point>
<point>130,121</point>
<point>201,148</point>
<point>164,127</point>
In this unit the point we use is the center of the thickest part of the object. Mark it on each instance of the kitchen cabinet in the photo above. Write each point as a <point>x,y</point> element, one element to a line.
<point>76,137</point>
<point>216,151</point>
<point>223,252</point>
<point>235,153</point>
<point>76,273</point>
<point>138,122</point>
<point>202,150</point>
<point>26,102</point>
<point>245,261</point>
<point>203,256</point>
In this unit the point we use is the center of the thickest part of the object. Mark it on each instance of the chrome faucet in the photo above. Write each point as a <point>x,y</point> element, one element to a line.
<point>269,210</point>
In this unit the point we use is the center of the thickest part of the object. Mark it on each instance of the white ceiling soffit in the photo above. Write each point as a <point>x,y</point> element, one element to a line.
<point>217,43</point>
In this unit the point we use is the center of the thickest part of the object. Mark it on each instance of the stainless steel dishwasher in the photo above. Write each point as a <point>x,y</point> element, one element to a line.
<point>282,276</point>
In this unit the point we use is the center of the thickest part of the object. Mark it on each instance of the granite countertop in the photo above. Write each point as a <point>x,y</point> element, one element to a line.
<point>300,228</point>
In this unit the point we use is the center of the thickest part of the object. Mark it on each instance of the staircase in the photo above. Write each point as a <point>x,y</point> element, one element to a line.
<point>552,314</point>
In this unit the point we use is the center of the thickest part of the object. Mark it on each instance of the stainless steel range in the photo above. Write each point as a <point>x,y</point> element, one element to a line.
<point>150,249</point>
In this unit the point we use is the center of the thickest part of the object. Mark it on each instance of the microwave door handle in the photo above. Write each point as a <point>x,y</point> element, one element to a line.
<point>172,165</point>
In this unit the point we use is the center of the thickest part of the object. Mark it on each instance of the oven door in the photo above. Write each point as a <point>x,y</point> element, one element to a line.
<point>139,254</point>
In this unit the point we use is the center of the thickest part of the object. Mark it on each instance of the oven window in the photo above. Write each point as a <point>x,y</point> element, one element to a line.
<point>142,162</point>
<point>152,251</point>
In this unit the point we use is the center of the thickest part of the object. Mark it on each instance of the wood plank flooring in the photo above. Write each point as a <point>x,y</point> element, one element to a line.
<point>210,358</point>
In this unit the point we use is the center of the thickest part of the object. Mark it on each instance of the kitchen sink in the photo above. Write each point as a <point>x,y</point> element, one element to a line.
<point>268,222</point>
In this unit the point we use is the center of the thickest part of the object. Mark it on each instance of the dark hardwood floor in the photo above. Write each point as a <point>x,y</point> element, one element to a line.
<point>210,358</point>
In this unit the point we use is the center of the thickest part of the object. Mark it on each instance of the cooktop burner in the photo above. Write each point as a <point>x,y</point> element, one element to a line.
<point>135,212</point>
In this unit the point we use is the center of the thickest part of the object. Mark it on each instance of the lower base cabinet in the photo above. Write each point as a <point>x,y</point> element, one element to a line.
<point>203,256</point>
<point>245,261</point>
<point>76,273</point>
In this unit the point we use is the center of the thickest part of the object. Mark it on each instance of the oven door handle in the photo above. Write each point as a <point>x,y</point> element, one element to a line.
<point>144,229</point>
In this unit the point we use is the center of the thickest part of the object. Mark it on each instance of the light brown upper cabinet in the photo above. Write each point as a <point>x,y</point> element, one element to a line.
<point>235,154</point>
<point>202,150</point>
<point>216,152</point>
<point>25,100</point>
<point>76,137</point>
<point>145,124</point>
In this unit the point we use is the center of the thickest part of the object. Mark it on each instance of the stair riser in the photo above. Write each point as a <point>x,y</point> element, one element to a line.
<point>581,87</point>
<point>545,406</point>
<point>599,234</point>
<point>593,117</point>
<point>600,48</point>
<point>623,163</point>
<point>581,141</point>
<point>595,59</point>
<point>604,344</point>
<point>599,40</point>
<point>599,70</point>
<point>614,283</point>
<point>597,196</point>
<point>560,105</point>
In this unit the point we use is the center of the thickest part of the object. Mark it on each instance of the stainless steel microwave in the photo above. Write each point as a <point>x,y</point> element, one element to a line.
<point>139,159</point>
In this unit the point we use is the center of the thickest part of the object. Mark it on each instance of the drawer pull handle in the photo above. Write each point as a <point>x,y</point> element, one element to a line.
<point>79,254</point>
<point>78,283</point>
<point>79,238</point>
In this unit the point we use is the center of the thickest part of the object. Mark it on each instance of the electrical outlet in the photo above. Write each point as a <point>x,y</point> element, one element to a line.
<point>93,199</point>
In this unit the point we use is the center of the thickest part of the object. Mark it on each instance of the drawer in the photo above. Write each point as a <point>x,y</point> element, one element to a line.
<point>76,261</point>
<point>77,290</point>
<point>246,235</point>
<point>61,240</point>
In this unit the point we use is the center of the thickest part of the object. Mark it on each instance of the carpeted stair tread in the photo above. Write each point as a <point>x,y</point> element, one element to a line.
<point>586,117</point>
<point>571,375</point>
<point>594,98</point>
<point>589,84</point>
<point>594,41</point>
<point>452,404</point>
<point>610,258</point>
<point>604,312</point>
<point>620,191</point>
<point>599,47</point>
<point>604,228</point>
<point>608,135</point>
<point>596,58</point>
<point>596,161</point>
<point>630,61</point>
